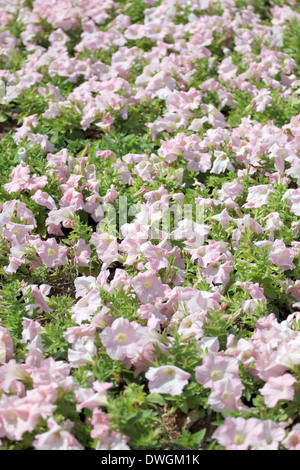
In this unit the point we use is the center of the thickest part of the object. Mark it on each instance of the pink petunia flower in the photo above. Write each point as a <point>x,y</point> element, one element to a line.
<point>214,368</point>
<point>238,433</point>
<point>167,379</point>
<point>57,438</point>
<point>148,287</point>
<point>292,440</point>
<point>121,340</point>
<point>51,253</point>
<point>278,388</point>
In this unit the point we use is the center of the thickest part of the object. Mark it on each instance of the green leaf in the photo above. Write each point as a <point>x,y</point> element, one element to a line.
<point>157,399</point>
<point>191,441</point>
<point>199,436</point>
<point>270,293</point>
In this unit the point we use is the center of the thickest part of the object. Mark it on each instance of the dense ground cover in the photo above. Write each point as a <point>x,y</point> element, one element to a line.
<point>149,224</point>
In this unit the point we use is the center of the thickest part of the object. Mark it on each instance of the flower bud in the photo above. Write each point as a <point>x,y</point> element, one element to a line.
<point>22,154</point>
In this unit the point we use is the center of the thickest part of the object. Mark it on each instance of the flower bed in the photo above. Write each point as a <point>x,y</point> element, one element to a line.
<point>149,225</point>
